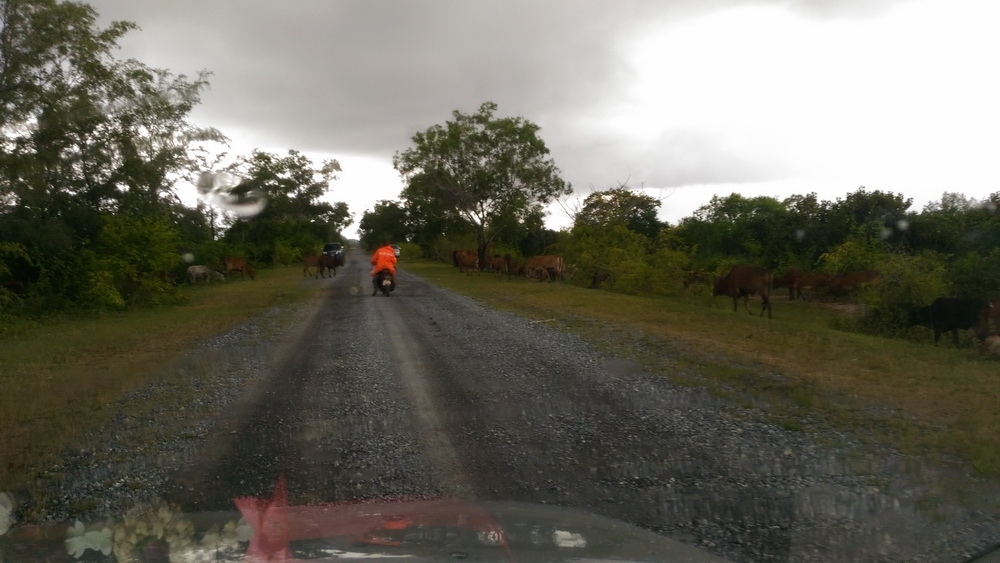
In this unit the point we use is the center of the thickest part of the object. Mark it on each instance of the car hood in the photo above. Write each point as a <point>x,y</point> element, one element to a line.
<point>411,529</point>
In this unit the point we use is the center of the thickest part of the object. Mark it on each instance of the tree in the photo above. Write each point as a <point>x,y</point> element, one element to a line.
<point>484,168</point>
<point>634,210</point>
<point>386,221</point>
<point>82,136</point>
<point>431,217</point>
<point>879,215</point>
<point>754,229</point>
<point>293,219</point>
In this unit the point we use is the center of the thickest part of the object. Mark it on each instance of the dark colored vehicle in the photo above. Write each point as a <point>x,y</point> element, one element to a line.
<point>395,248</point>
<point>332,248</point>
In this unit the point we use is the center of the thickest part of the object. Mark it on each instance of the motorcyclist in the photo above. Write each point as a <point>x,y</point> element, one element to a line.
<point>384,258</point>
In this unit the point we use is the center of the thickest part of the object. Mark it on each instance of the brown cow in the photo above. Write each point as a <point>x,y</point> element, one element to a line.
<point>466,260</point>
<point>309,262</point>
<point>544,267</point>
<point>744,280</point>
<point>788,280</point>
<point>816,280</point>
<point>851,281</point>
<point>501,266</point>
<point>329,262</point>
<point>240,265</point>
<point>517,267</point>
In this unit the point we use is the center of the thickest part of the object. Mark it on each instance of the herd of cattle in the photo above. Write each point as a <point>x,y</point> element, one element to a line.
<point>543,268</point>
<point>199,273</point>
<point>945,314</point>
<point>323,263</point>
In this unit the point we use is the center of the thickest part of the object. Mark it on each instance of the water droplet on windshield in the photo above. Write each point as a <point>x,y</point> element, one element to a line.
<point>216,188</point>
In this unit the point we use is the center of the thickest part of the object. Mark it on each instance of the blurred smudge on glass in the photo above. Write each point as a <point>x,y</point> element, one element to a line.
<point>217,188</point>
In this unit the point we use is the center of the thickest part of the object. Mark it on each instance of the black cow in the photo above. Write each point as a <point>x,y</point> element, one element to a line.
<point>954,313</point>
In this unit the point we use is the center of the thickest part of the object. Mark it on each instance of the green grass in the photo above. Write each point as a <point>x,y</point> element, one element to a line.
<point>937,401</point>
<point>60,377</point>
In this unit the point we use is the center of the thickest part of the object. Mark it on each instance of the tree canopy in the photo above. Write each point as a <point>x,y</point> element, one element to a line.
<point>92,151</point>
<point>482,169</point>
<point>293,219</point>
<point>632,209</point>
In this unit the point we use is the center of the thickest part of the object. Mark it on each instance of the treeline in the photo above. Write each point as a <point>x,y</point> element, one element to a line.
<point>950,248</point>
<point>93,151</point>
<point>481,181</point>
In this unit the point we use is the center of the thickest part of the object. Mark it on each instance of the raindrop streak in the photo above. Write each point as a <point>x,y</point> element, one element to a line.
<point>215,188</point>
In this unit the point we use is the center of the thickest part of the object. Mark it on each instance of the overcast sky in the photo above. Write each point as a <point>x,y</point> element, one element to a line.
<point>685,98</point>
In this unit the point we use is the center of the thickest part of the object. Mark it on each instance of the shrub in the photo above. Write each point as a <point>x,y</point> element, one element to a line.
<point>284,253</point>
<point>907,281</point>
<point>409,251</point>
<point>134,253</point>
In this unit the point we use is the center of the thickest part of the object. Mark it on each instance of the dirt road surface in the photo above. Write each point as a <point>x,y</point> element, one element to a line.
<point>429,394</point>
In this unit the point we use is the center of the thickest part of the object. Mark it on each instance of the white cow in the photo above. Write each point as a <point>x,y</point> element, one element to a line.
<point>203,273</point>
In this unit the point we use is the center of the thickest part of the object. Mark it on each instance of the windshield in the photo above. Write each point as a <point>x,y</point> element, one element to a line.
<point>667,280</point>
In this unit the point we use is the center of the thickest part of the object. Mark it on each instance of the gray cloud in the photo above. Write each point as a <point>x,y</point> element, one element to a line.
<point>359,78</point>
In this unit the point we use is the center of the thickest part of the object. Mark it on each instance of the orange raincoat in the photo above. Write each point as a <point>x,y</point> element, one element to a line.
<point>384,259</point>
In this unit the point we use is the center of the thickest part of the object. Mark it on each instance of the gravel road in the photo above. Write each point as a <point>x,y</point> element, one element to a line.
<point>428,393</point>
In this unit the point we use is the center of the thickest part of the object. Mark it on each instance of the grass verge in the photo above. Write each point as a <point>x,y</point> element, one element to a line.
<point>936,401</point>
<point>61,377</point>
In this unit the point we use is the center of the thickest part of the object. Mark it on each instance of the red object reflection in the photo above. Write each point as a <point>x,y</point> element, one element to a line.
<point>276,524</point>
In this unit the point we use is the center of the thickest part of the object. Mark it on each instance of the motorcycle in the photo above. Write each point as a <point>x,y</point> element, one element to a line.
<point>384,282</point>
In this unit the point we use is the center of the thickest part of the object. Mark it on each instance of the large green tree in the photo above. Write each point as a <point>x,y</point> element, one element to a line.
<point>387,221</point>
<point>84,135</point>
<point>485,168</point>
<point>632,209</point>
<point>293,218</point>
<point>750,229</point>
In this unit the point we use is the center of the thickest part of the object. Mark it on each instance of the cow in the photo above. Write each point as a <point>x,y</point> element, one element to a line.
<point>851,281</point>
<point>517,267</point>
<point>744,280</point>
<point>196,274</point>
<point>240,265</point>
<point>307,263</point>
<point>814,280</point>
<point>501,266</point>
<point>953,313</point>
<point>329,262</point>
<point>466,260</point>
<point>788,280</point>
<point>544,267</point>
